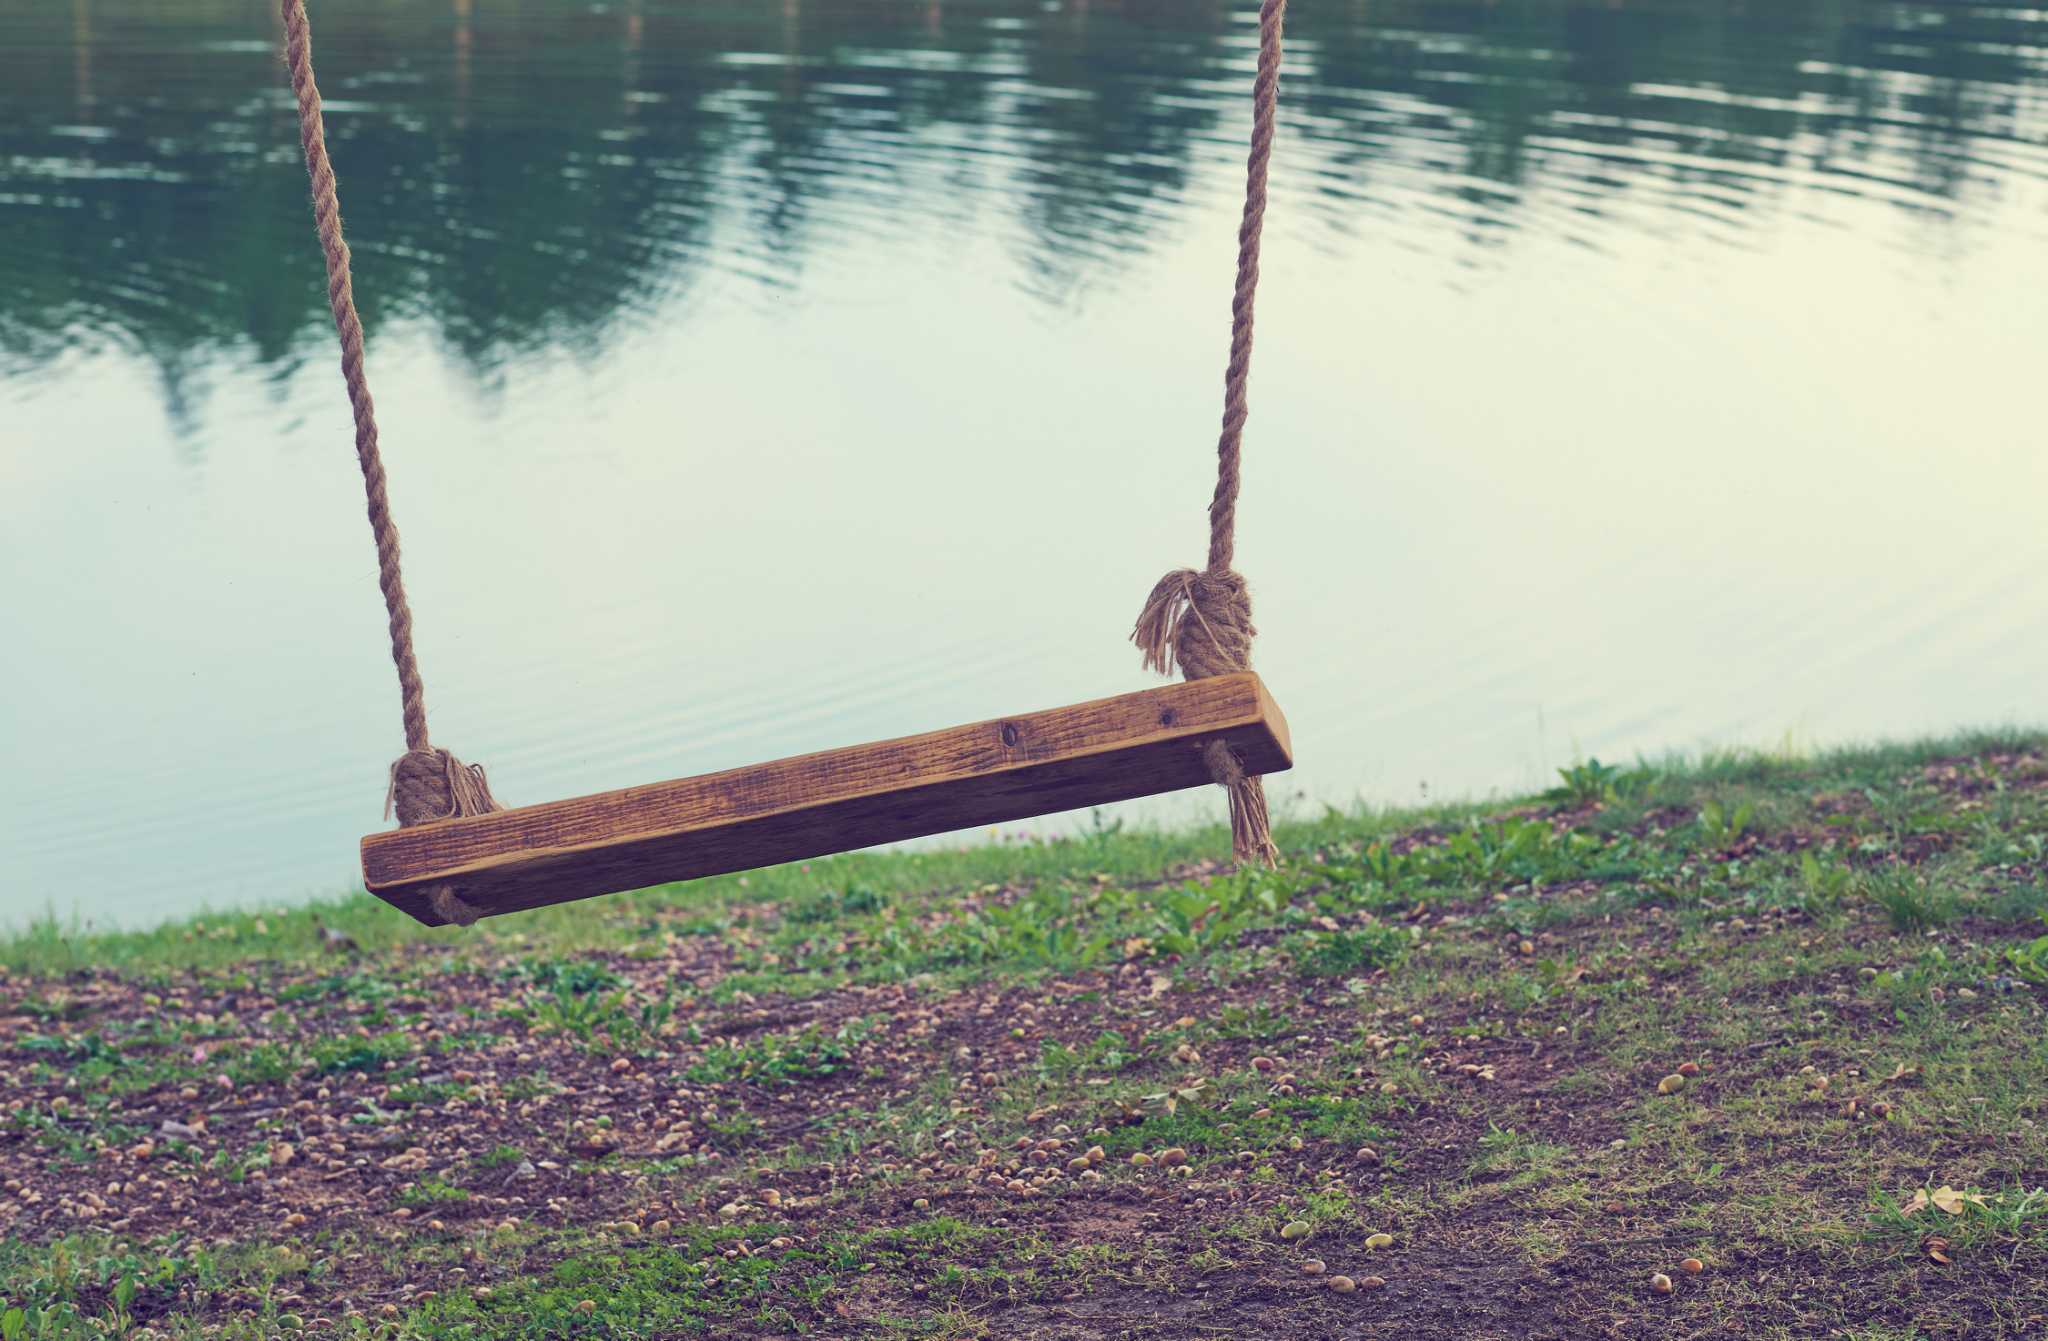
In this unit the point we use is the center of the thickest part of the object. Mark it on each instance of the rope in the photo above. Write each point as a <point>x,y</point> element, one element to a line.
<point>426,783</point>
<point>1202,621</point>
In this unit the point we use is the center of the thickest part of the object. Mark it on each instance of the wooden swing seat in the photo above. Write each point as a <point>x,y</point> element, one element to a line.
<point>1111,749</point>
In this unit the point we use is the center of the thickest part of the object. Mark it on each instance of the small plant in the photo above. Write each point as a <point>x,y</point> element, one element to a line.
<point>1350,954</point>
<point>1511,851</point>
<point>414,1093</point>
<point>1195,919</point>
<point>782,1059</point>
<point>532,1085</point>
<point>1504,1151</point>
<point>1586,783</point>
<point>1822,886</point>
<point>1909,901</point>
<point>263,1064</point>
<point>830,905</point>
<point>1381,878</point>
<point>568,977</point>
<point>1724,826</point>
<point>734,1133</point>
<point>601,1023</point>
<point>1256,1021</point>
<point>334,1055</point>
<point>2029,962</point>
<point>1040,930</point>
<point>429,1193</point>
<point>1109,1052</point>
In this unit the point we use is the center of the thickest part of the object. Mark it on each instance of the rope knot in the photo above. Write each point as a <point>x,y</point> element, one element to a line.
<point>1198,621</point>
<point>432,784</point>
<point>1202,623</point>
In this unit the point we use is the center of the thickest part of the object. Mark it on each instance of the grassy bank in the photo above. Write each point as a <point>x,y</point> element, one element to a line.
<point>1781,1020</point>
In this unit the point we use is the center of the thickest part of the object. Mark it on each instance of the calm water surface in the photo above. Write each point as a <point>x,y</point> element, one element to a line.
<point>759,377</point>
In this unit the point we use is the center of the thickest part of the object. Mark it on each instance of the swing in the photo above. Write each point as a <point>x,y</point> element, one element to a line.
<point>457,855</point>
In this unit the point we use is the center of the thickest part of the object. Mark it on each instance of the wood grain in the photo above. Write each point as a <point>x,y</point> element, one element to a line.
<point>1111,749</point>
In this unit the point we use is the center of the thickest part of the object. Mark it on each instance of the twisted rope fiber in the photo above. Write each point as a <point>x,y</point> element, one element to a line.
<point>426,783</point>
<point>1202,621</point>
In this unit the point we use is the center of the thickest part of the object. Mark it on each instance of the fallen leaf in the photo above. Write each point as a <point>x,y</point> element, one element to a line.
<point>1946,1198</point>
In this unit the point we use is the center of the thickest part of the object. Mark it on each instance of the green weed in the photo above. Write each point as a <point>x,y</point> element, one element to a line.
<point>1350,954</point>
<point>1909,900</point>
<point>781,1059</point>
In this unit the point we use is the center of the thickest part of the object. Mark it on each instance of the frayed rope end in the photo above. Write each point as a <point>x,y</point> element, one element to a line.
<point>1157,633</point>
<point>1251,827</point>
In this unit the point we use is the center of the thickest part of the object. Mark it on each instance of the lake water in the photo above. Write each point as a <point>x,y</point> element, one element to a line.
<point>759,377</point>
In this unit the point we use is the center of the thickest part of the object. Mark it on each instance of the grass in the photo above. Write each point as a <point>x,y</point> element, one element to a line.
<point>1030,1088</point>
